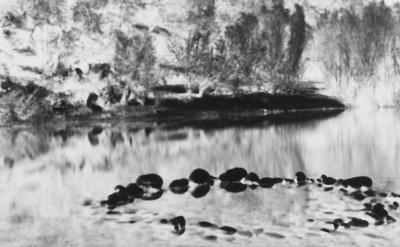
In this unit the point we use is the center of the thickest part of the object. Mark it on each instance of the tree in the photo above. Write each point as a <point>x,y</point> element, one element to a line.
<point>134,60</point>
<point>297,40</point>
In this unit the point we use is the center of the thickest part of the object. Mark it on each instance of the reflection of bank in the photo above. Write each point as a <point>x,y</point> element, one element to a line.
<point>54,172</point>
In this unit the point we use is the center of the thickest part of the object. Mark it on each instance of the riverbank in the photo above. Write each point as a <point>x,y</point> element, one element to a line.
<point>33,104</point>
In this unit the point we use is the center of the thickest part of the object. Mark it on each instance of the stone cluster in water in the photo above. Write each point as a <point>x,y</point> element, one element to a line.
<point>235,180</point>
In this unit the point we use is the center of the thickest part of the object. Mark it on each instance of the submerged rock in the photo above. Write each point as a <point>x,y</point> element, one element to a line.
<point>200,176</point>
<point>228,230</point>
<point>206,224</point>
<point>357,222</point>
<point>357,195</point>
<point>179,224</point>
<point>211,237</point>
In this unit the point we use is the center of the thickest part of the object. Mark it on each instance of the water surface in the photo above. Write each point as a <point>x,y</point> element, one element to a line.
<point>48,173</point>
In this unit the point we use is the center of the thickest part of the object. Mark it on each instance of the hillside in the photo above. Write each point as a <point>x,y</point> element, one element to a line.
<point>120,50</point>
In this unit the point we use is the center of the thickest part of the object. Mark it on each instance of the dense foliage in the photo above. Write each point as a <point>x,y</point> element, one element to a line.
<point>357,42</point>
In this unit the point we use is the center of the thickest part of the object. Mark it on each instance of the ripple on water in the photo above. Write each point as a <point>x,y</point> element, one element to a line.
<point>51,176</point>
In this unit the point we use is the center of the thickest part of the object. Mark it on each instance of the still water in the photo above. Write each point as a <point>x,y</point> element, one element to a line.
<point>47,174</point>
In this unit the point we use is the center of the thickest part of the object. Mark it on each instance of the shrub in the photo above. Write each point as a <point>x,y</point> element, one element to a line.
<point>45,11</point>
<point>246,48</point>
<point>84,11</point>
<point>297,40</point>
<point>135,59</point>
<point>255,49</point>
<point>356,43</point>
<point>274,36</point>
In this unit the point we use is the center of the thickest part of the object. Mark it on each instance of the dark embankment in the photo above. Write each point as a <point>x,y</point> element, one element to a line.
<point>245,102</point>
<point>302,118</point>
<point>34,104</point>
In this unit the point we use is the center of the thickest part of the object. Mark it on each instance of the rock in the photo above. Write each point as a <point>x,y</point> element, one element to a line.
<point>328,180</point>
<point>150,180</point>
<point>370,193</point>
<point>367,206</point>
<point>358,195</point>
<point>87,202</point>
<point>211,237</point>
<point>235,187</point>
<point>288,180</point>
<point>152,196</point>
<point>79,72</point>
<point>178,221</point>
<point>345,225</point>
<point>325,230</point>
<point>228,230</point>
<point>200,176</point>
<point>118,199</point>
<point>357,182</point>
<point>357,222</point>
<point>395,194</point>
<point>301,178</point>
<point>252,177</point>
<point>390,219</point>
<point>394,205</point>
<point>92,98</point>
<point>134,190</point>
<point>268,182</point>
<point>179,186</point>
<point>179,224</point>
<point>383,194</point>
<point>378,211</point>
<point>206,224</point>
<point>233,175</point>
<point>91,103</point>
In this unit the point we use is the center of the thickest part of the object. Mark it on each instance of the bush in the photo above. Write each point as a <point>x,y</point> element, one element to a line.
<point>246,48</point>
<point>256,49</point>
<point>135,59</point>
<point>274,36</point>
<point>297,40</point>
<point>84,11</point>
<point>45,11</point>
<point>355,44</point>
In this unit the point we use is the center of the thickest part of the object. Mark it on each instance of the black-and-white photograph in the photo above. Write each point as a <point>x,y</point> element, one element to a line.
<point>199,123</point>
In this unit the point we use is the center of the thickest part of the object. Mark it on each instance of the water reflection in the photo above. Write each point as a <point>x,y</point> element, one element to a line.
<point>47,174</point>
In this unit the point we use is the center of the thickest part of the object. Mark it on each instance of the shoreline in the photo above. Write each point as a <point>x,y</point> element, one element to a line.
<point>250,106</point>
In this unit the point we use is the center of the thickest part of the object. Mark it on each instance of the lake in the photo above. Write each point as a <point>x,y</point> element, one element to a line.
<point>52,180</point>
